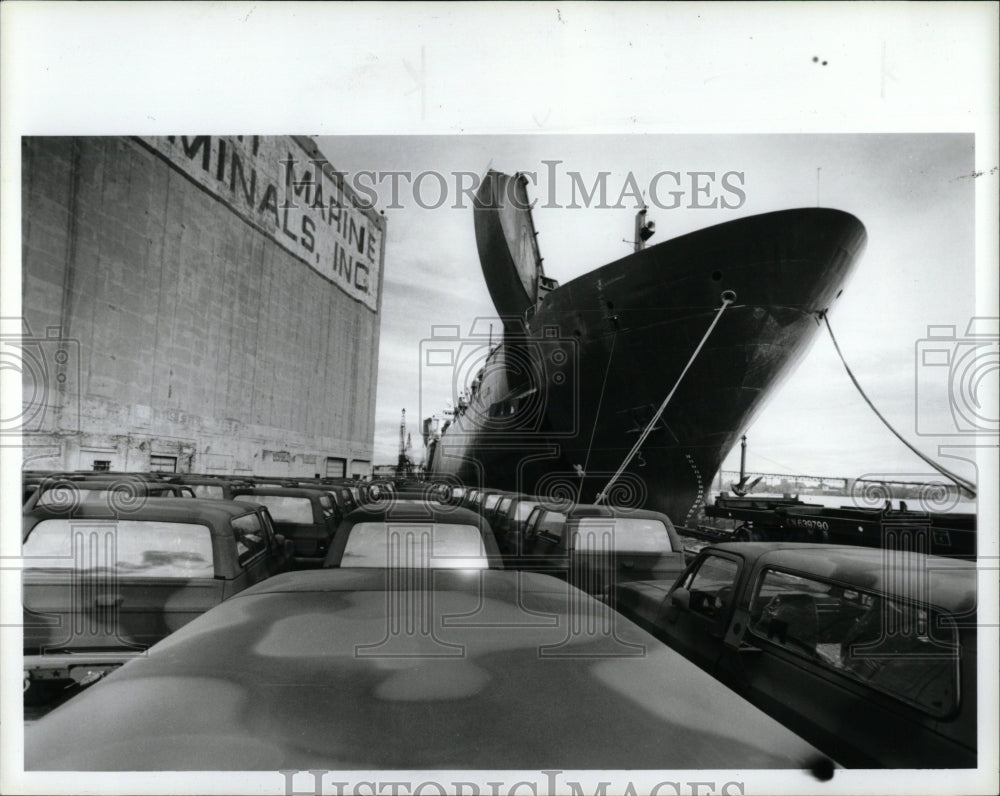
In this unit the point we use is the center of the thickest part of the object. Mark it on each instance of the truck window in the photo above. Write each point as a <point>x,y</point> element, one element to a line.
<point>212,491</point>
<point>415,545</point>
<point>531,525</point>
<point>283,508</point>
<point>622,535</point>
<point>250,536</point>
<point>524,509</point>
<point>136,548</point>
<point>552,524</point>
<point>905,650</point>
<point>711,586</point>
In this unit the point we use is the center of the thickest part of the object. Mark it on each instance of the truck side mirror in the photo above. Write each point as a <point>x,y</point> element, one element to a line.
<point>679,600</point>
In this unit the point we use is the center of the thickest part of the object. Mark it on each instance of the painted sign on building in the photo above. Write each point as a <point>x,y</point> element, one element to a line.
<point>283,186</point>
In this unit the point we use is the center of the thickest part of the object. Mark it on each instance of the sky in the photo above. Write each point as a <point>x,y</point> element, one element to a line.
<point>913,192</point>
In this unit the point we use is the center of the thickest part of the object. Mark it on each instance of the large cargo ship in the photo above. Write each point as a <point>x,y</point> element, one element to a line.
<point>584,368</point>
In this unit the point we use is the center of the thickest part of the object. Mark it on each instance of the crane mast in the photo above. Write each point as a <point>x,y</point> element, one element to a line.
<point>403,465</point>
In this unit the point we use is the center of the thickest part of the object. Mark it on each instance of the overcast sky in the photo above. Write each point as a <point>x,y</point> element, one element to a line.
<point>914,193</point>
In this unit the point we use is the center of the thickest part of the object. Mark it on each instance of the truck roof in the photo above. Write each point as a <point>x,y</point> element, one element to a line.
<point>950,583</point>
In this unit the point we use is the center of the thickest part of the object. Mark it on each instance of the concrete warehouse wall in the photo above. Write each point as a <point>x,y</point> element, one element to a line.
<point>176,326</point>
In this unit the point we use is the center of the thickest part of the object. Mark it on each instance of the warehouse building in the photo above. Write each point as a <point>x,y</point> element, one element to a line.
<point>197,304</point>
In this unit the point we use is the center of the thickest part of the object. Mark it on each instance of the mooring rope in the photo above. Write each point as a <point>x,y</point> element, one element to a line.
<point>728,297</point>
<point>600,402</point>
<point>963,484</point>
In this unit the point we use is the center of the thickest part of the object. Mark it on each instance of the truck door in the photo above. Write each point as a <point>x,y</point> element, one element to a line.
<point>860,675</point>
<point>697,610</point>
<point>257,553</point>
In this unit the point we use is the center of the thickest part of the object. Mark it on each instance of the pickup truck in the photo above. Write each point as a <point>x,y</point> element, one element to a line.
<point>306,517</point>
<point>868,654</point>
<point>124,491</point>
<point>598,547</point>
<point>101,585</point>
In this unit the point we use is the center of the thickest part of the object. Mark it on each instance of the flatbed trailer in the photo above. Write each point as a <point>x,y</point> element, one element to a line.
<point>790,519</point>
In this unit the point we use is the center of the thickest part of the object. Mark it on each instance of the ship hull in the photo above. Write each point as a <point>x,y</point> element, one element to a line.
<point>561,403</point>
